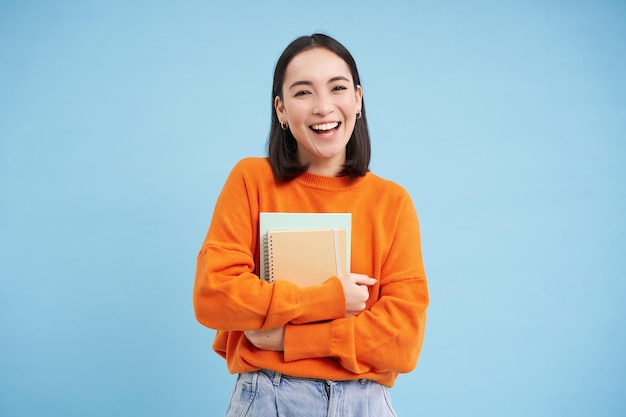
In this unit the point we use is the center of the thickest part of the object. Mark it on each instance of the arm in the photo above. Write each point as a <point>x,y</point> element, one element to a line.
<point>356,295</point>
<point>389,334</point>
<point>228,295</point>
<point>387,337</point>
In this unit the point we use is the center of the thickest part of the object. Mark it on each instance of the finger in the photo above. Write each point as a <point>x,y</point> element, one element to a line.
<point>364,280</point>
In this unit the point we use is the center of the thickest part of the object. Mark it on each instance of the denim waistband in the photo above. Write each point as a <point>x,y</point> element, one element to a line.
<point>277,376</point>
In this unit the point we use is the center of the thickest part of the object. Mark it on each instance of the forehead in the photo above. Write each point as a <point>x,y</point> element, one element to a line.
<point>317,64</point>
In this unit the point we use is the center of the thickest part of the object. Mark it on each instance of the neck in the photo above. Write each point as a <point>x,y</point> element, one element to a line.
<point>326,171</point>
<point>327,167</point>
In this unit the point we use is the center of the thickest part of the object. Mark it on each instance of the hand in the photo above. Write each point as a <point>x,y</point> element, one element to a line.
<point>272,339</point>
<point>356,292</point>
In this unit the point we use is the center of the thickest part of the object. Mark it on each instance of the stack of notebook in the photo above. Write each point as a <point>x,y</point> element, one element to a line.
<point>304,248</point>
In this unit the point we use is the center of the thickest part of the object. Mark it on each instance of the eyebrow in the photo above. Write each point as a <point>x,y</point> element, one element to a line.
<point>332,80</point>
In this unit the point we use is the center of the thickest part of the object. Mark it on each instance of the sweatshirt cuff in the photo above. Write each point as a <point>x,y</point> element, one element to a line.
<point>308,341</point>
<point>321,302</point>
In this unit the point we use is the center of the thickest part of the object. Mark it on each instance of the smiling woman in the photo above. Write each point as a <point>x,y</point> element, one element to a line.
<point>338,81</point>
<point>331,349</point>
<point>319,103</point>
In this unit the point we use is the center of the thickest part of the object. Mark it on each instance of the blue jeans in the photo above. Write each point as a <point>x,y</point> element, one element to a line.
<point>270,394</point>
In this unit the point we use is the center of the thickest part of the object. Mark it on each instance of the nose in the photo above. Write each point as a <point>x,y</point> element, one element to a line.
<point>323,104</point>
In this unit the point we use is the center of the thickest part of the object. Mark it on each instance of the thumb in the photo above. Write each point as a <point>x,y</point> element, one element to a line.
<point>365,280</point>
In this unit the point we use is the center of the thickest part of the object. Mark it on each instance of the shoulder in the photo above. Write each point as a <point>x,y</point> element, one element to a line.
<point>247,178</point>
<point>253,164</point>
<point>394,205</point>
<point>390,197</point>
<point>385,187</point>
<point>251,168</point>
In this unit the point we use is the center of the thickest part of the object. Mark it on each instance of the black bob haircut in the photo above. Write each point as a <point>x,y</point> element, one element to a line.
<point>281,143</point>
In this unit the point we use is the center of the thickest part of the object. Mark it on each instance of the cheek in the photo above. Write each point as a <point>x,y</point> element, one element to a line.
<point>297,111</point>
<point>349,105</point>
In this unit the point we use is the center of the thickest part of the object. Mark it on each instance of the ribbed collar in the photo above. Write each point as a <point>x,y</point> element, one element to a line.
<point>328,183</point>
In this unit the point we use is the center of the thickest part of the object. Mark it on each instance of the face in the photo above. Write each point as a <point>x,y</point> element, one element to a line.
<point>320,104</point>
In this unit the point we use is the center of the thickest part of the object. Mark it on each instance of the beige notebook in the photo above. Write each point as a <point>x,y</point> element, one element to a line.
<point>300,221</point>
<point>306,257</point>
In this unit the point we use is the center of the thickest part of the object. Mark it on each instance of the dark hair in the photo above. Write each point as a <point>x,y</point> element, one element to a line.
<point>281,143</point>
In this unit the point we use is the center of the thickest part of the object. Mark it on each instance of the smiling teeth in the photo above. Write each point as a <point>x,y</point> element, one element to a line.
<point>325,126</point>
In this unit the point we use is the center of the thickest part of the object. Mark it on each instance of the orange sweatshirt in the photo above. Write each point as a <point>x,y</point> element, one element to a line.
<point>382,341</point>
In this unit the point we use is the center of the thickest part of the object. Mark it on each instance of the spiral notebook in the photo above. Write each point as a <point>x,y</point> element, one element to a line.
<point>303,243</point>
<point>306,257</point>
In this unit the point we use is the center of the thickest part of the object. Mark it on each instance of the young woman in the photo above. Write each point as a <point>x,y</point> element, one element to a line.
<point>332,349</point>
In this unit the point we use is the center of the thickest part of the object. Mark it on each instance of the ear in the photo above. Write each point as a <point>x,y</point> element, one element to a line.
<point>359,97</point>
<point>280,108</point>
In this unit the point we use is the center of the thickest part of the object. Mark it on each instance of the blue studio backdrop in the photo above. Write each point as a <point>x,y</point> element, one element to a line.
<point>119,122</point>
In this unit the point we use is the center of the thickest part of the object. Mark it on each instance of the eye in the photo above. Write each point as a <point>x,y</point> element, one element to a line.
<point>339,88</point>
<point>301,93</point>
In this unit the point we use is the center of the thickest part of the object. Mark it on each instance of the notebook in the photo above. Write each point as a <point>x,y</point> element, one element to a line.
<point>302,222</point>
<point>305,257</point>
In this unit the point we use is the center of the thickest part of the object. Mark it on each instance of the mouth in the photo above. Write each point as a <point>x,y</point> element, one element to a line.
<point>325,128</point>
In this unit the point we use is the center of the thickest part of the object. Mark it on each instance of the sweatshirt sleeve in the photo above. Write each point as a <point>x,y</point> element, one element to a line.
<point>227,294</point>
<point>388,335</point>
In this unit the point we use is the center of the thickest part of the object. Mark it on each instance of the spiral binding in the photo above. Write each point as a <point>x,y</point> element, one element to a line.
<point>269,272</point>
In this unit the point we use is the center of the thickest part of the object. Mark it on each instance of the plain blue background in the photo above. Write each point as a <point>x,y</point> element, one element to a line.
<point>119,122</point>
